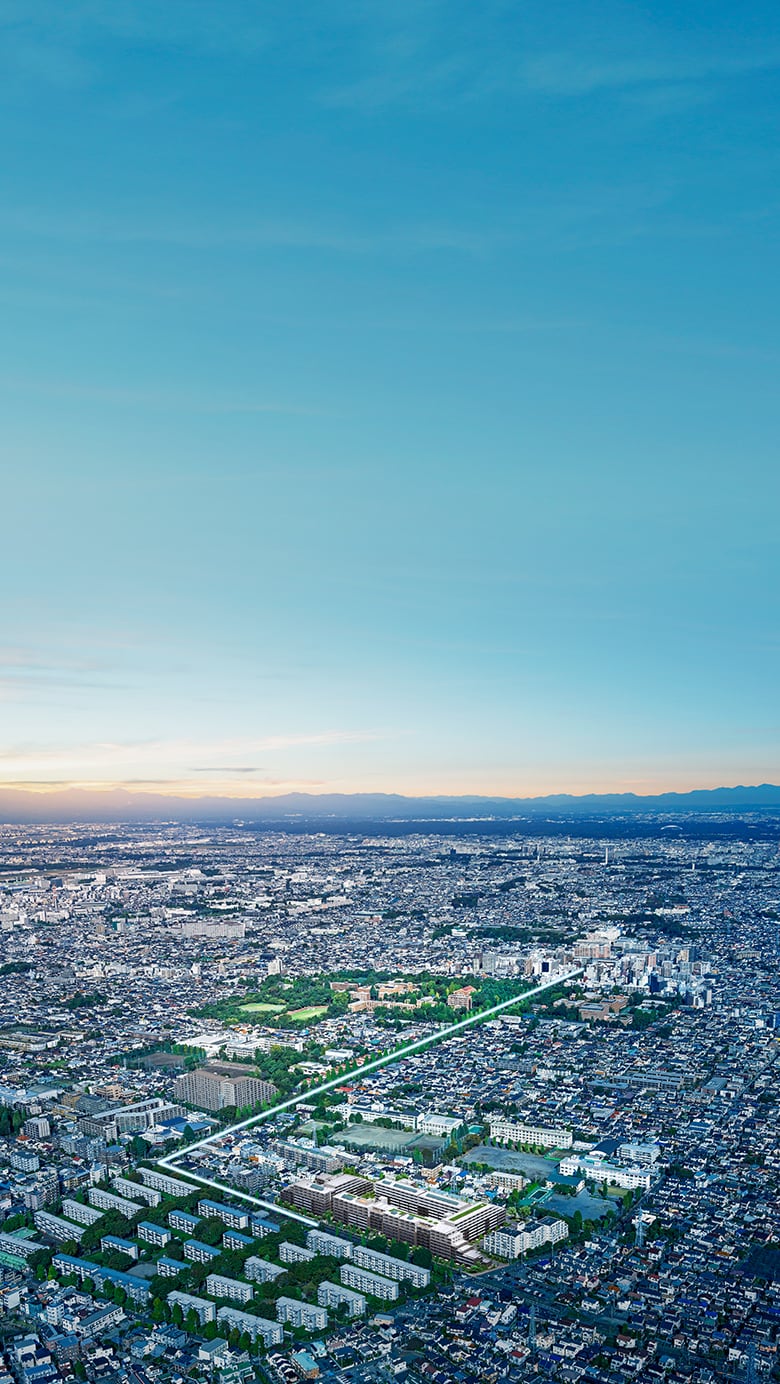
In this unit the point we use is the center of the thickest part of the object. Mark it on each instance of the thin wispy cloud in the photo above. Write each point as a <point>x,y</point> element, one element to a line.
<point>574,74</point>
<point>24,660</point>
<point>423,55</point>
<point>226,787</point>
<point>599,213</point>
<point>484,62</point>
<point>32,673</point>
<point>97,761</point>
<point>220,769</point>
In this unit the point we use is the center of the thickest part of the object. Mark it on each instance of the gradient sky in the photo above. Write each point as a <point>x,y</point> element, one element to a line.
<point>389,395</point>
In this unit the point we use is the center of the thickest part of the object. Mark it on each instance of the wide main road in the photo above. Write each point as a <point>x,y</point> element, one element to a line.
<point>372,1065</point>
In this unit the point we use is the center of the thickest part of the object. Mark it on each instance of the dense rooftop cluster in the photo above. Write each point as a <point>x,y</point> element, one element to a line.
<point>606,1156</point>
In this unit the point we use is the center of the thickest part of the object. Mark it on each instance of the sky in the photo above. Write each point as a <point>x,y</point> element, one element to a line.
<point>389,395</point>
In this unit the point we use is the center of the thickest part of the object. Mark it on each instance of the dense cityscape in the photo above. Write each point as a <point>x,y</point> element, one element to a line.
<point>580,1186</point>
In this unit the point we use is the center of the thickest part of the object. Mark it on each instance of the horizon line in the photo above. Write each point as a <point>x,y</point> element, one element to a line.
<point>147,789</point>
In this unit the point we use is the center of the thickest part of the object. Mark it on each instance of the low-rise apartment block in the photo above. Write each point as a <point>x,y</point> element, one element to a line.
<point>56,1227</point>
<point>108,1201</point>
<point>234,1239</point>
<point>320,1160</point>
<point>334,1294</point>
<point>79,1211</point>
<point>262,1270</point>
<point>373,1283</point>
<point>184,1220</point>
<point>153,1234</point>
<point>199,1253</point>
<point>261,1226</point>
<point>204,1310</point>
<point>116,1243</point>
<point>171,1186</point>
<point>137,1290</point>
<point>18,1246</point>
<point>256,1328</point>
<point>135,1191</point>
<point>511,1241</point>
<point>389,1267</point>
<point>234,1217</point>
<point>538,1136</point>
<point>218,1286</point>
<point>306,1314</point>
<point>294,1254</point>
<point>335,1246</point>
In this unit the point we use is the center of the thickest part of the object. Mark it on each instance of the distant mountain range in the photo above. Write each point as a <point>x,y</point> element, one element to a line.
<point>119,805</point>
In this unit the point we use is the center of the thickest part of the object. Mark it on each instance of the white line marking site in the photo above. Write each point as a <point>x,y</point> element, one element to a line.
<point>171,1162</point>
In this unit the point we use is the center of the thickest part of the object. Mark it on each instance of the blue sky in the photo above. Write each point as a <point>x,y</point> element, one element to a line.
<point>389,395</point>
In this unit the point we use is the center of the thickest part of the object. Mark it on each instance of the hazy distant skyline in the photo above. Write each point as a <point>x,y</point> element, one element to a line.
<point>389,397</point>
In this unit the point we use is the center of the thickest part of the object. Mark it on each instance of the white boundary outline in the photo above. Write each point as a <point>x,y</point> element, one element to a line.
<point>171,1162</point>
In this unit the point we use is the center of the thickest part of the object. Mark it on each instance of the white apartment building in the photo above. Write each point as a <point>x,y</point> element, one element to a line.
<point>37,1127</point>
<point>107,1201</point>
<point>506,1242</point>
<point>510,1241</point>
<point>108,1243</point>
<point>271,1333</point>
<point>333,1245</point>
<point>78,1211</point>
<point>440,1125</point>
<point>204,1310</point>
<point>56,1227</point>
<point>183,1220</point>
<point>334,1294</point>
<point>218,1286</point>
<point>642,1155</point>
<point>199,1253</point>
<point>235,1217</point>
<point>153,1234</point>
<point>295,1254</point>
<point>598,1169</point>
<point>538,1136</point>
<point>384,1288</point>
<point>18,1246</point>
<point>506,1182</point>
<point>390,1267</point>
<point>171,1186</point>
<point>295,1313</point>
<point>127,1188</point>
<point>262,1270</point>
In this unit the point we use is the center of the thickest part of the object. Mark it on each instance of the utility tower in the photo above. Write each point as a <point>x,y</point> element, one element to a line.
<point>532,1329</point>
<point>640,1223</point>
<point>751,1373</point>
